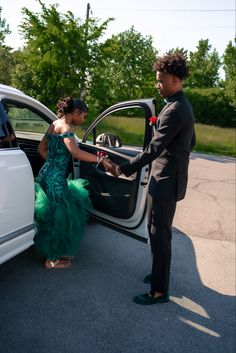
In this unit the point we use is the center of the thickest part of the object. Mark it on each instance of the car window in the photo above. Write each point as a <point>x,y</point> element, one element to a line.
<point>7,135</point>
<point>123,127</point>
<point>24,118</point>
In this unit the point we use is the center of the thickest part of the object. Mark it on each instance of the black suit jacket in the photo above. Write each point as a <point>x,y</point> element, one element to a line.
<point>170,146</point>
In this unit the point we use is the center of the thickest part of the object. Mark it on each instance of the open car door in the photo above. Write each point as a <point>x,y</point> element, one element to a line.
<point>120,132</point>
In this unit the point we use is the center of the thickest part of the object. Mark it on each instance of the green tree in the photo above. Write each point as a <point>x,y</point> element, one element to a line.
<point>229,60</point>
<point>59,48</point>
<point>182,51</point>
<point>203,66</point>
<point>125,71</point>
<point>6,65</point>
<point>4,28</point>
<point>6,59</point>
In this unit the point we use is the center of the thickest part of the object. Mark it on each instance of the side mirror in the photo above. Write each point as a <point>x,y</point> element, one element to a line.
<point>108,140</point>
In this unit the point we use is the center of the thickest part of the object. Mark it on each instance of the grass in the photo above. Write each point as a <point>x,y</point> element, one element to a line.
<point>216,140</point>
<point>130,130</point>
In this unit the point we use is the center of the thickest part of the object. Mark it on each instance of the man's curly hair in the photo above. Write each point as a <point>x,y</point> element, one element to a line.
<point>173,64</point>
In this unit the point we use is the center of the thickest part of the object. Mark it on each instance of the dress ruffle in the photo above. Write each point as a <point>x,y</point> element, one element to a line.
<point>60,224</point>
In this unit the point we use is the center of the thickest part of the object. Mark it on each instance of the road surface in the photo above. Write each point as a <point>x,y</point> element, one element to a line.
<point>89,309</point>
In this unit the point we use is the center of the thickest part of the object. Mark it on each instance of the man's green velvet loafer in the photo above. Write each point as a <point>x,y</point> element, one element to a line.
<point>148,299</point>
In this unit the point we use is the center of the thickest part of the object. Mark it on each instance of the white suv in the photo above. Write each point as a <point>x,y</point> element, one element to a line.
<point>117,202</point>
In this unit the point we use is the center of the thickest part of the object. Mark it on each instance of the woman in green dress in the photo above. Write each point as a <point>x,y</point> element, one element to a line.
<point>61,205</point>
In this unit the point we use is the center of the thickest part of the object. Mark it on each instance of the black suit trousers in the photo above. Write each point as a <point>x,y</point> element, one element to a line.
<point>161,206</point>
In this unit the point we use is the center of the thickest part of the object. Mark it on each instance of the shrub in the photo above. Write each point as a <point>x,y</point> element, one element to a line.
<point>211,106</point>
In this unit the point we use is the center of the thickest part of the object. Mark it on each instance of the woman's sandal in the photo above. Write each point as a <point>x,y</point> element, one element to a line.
<point>50,264</point>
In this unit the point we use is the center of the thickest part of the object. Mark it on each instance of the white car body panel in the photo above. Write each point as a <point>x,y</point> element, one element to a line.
<point>16,203</point>
<point>15,246</point>
<point>12,93</point>
<point>16,179</point>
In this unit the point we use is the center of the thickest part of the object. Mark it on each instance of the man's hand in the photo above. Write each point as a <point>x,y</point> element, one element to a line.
<point>110,167</point>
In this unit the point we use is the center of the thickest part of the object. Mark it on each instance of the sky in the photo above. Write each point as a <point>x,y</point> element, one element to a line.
<point>171,23</point>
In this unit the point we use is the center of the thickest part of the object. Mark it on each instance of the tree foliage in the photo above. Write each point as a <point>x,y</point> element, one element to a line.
<point>64,55</point>
<point>182,51</point>
<point>4,28</point>
<point>59,50</point>
<point>211,106</point>
<point>6,58</point>
<point>6,65</point>
<point>203,66</point>
<point>125,71</point>
<point>230,72</point>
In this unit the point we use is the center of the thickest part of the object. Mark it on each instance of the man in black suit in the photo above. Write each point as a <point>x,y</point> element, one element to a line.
<point>168,152</point>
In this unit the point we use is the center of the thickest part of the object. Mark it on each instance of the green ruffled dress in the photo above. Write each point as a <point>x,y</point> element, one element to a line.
<point>61,206</point>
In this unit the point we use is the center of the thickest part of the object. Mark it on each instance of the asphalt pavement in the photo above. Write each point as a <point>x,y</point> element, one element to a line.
<point>89,309</point>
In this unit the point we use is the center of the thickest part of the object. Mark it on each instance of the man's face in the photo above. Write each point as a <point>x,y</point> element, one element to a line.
<point>166,84</point>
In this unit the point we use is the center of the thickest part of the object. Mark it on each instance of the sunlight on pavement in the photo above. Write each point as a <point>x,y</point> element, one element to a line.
<point>190,305</point>
<point>216,264</point>
<point>200,327</point>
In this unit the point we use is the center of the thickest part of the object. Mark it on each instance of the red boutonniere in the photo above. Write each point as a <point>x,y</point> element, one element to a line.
<point>153,120</point>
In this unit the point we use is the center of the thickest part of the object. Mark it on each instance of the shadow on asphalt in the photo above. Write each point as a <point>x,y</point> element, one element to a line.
<point>89,307</point>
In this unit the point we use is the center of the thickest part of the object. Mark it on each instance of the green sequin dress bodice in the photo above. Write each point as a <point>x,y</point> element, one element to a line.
<point>52,175</point>
<point>61,205</point>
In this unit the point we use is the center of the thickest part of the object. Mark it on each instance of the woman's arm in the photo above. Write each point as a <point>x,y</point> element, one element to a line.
<point>43,148</point>
<point>77,153</point>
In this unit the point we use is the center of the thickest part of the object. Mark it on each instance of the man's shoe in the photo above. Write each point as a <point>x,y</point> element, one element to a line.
<point>148,299</point>
<point>147,279</point>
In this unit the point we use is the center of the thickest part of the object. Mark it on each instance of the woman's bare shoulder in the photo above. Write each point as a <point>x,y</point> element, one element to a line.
<point>59,127</point>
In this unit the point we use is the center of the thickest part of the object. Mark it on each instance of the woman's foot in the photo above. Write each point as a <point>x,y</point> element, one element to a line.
<point>50,264</point>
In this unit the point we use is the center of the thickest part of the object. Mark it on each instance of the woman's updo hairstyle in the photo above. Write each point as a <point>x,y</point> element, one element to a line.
<point>68,105</point>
